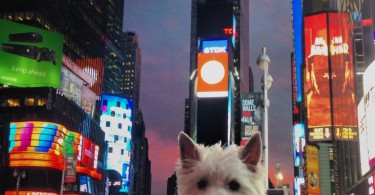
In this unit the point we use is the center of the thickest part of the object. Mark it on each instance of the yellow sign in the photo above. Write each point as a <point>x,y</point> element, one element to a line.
<point>346,133</point>
<point>312,170</point>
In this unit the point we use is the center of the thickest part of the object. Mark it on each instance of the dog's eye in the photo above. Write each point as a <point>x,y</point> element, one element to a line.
<point>202,184</point>
<point>234,185</point>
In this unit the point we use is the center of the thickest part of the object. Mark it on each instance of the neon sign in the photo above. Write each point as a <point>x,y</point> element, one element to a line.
<point>34,144</point>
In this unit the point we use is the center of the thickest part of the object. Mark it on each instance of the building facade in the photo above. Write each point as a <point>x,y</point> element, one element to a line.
<point>322,29</point>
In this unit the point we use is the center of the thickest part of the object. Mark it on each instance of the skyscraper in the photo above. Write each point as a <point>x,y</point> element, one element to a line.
<point>213,119</point>
<point>132,67</point>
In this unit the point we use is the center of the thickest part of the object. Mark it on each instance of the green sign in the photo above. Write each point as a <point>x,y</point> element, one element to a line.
<point>29,56</point>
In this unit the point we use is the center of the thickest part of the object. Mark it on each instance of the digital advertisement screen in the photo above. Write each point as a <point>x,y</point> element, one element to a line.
<point>366,112</point>
<point>214,46</point>
<point>251,114</point>
<point>30,56</point>
<point>343,86</point>
<point>35,144</point>
<point>312,170</point>
<point>317,90</point>
<point>71,86</point>
<point>212,75</point>
<point>94,67</point>
<point>116,122</point>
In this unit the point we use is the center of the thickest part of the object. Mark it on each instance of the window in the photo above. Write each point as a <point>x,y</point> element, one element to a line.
<point>13,102</point>
<point>29,101</point>
<point>42,101</point>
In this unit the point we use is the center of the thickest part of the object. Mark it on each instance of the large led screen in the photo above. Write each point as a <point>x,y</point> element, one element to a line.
<point>317,90</point>
<point>329,76</point>
<point>212,75</point>
<point>35,144</point>
<point>116,122</point>
<point>30,56</point>
<point>343,90</point>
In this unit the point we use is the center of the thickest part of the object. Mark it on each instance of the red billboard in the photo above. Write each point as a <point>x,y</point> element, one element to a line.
<point>317,90</point>
<point>343,89</point>
<point>329,76</point>
<point>95,68</point>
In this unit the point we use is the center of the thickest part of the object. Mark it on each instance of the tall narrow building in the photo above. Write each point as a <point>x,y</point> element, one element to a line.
<point>132,67</point>
<point>212,116</point>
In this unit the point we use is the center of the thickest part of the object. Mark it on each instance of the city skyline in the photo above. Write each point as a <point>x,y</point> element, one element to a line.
<point>164,36</point>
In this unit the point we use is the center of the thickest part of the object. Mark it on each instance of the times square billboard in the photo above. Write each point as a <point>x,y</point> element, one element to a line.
<point>30,56</point>
<point>116,122</point>
<point>329,78</point>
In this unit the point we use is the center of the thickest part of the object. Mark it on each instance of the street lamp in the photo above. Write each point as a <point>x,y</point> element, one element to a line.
<point>19,174</point>
<point>263,62</point>
<point>279,175</point>
<point>61,140</point>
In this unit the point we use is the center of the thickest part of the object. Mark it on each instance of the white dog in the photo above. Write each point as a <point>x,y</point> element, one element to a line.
<point>216,171</point>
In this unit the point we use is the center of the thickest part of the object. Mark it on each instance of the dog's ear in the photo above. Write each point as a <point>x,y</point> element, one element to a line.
<point>251,153</point>
<point>188,151</point>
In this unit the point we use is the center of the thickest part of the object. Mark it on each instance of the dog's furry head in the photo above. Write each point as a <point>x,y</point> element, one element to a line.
<point>216,171</point>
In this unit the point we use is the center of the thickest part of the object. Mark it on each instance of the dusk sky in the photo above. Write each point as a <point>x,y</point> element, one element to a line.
<point>163,28</point>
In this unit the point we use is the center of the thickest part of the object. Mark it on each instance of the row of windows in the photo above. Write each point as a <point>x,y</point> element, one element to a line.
<point>27,101</point>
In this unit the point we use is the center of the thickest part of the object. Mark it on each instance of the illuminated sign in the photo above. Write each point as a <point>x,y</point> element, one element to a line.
<point>297,37</point>
<point>76,69</point>
<point>299,142</point>
<point>250,114</point>
<point>343,86</point>
<point>34,144</point>
<point>30,56</point>
<point>320,134</point>
<point>116,122</point>
<point>212,75</point>
<point>29,193</point>
<point>322,47</point>
<point>317,90</point>
<point>312,174</point>
<point>95,68</point>
<point>214,46</point>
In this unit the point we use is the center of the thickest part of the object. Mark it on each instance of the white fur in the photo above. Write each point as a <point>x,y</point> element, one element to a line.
<point>218,167</point>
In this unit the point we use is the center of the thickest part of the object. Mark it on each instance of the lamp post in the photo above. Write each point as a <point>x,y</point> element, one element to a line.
<point>19,174</point>
<point>263,62</point>
<point>64,149</point>
<point>279,175</point>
